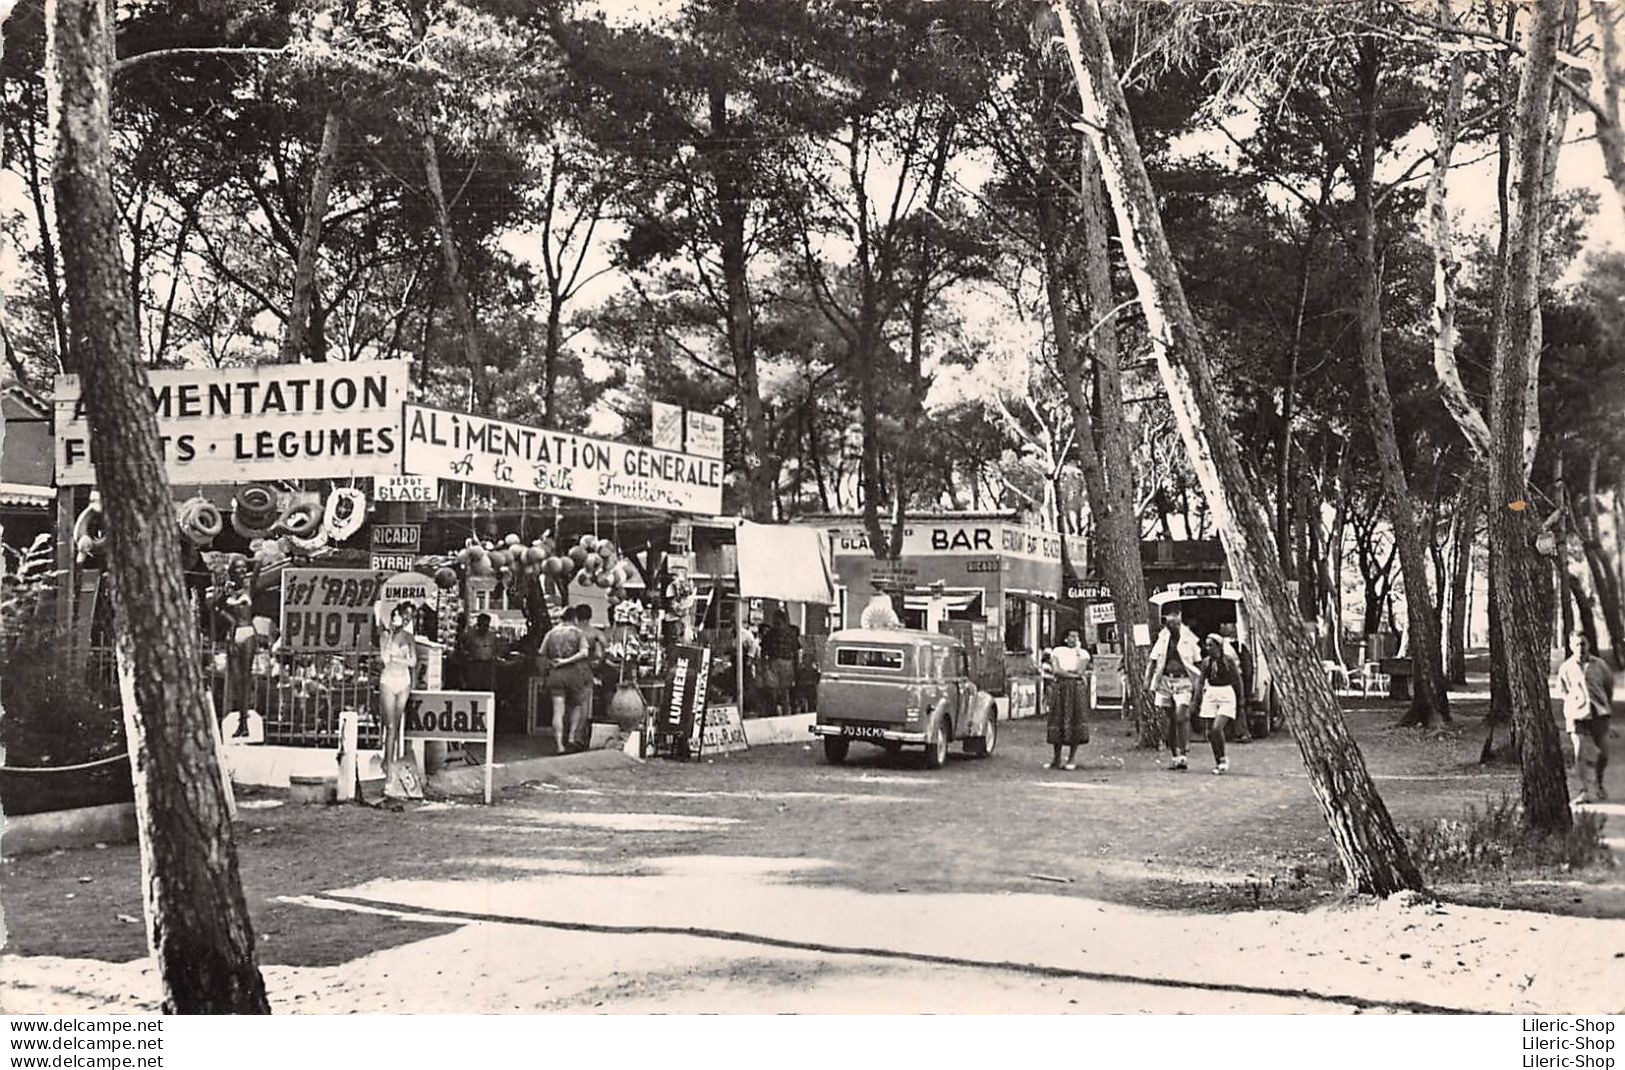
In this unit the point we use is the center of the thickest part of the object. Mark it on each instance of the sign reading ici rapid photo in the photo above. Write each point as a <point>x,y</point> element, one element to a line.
<point>493,453</point>
<point>276,421</point>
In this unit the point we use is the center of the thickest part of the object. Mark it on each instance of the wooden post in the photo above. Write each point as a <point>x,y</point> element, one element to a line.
<point>65,557</point>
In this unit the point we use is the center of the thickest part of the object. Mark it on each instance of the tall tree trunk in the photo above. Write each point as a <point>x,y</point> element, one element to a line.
<point>1374,857</point>
<point>1120,558</point>
<point>310,240</point>
<point>1611,67</point>
<point>733,205</point>
<point>1112,548</point>
<point>1560,559</point>
<point>197,923</point>
<point>1465,527</point>
<point>456,285</point>
<point>1543,787</point>
<point>550,360</point>
<point>1603,577</point>
<point>1430,704</point>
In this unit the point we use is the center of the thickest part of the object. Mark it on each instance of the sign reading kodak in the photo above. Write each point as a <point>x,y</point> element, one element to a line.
<point>494,453</point>
<point>274,421</point>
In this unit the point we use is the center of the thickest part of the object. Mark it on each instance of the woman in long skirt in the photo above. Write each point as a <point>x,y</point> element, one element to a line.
<point>1069,700</point>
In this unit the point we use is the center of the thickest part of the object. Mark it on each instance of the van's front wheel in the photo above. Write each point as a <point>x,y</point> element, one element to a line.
<point>835,748</point>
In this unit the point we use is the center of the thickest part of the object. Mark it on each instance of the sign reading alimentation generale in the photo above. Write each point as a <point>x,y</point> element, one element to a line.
<point>275,421</point>
<point>495,453</point>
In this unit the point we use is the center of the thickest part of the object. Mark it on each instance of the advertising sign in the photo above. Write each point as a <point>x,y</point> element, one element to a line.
<point>676,730</point>
<point>956,538</point>
<point>273,421</point>
<point>454,717</point>
<point>1102,613</point>
<point>493,453</point>
<point>667,426</point>
<point>404,586</point>
<point>724,731</point>
<point>396,538</point>
<point>399,488</point>
<point>329,609</point>
<point>704,435</point>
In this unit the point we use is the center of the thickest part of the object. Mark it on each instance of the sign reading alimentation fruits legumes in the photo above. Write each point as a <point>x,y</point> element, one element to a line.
<point>494,453</point>
<point>274,421</point>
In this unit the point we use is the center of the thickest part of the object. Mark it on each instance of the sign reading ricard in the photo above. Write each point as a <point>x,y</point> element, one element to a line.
<point>276,421</point>
<point>492,453</point>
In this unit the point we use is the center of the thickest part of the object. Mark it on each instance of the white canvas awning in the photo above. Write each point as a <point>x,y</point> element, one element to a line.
<point>952,601</point>
<point>790,564</point>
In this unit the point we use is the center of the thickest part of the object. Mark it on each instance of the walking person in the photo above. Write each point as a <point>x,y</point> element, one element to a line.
<point>1214,694</point>
<point>398,655</point>
<point>1065,667</point>
<point>1587,684</point>
<point>564,651</point>
<point>1168,678</point>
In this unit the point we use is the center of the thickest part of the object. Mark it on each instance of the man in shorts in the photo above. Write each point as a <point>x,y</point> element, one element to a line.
<point>1587,684</point>
<point>1168,677</point>
<point>1217,676</point>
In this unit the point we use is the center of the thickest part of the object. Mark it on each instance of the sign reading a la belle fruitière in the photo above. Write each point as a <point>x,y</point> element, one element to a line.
<point>494,453</point>
<point>273,421</point>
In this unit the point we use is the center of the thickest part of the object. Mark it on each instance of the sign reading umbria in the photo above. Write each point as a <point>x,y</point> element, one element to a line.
<point>275,421</point>
<point>492,453</point>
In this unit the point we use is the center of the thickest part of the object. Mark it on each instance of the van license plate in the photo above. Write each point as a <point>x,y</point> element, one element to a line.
<point>863,731</point>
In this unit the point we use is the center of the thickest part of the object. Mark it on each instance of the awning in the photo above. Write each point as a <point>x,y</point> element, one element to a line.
<point>1042,600</point>
<point>27,494</point>
<point>787,563</point>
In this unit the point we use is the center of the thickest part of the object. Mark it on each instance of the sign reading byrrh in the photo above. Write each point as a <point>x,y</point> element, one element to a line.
<point>275,421</point>
<point>493,453</point>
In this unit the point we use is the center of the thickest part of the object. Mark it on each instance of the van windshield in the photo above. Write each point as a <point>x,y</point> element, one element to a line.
<point>863,657</point>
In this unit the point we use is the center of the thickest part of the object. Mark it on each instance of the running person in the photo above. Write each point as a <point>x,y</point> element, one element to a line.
<point>1168,678</point>
<point>1217,675</point>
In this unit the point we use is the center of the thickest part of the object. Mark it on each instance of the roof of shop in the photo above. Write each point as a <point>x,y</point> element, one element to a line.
<point>26,494</point>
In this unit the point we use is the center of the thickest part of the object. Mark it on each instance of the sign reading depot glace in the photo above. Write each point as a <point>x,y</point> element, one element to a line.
<point>276,421</point>
<point>493,453</point>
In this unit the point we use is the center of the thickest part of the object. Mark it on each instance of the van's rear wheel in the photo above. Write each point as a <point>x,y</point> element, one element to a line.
<point>982,746</point>
<point>835,748</point>
<point>936,747</point>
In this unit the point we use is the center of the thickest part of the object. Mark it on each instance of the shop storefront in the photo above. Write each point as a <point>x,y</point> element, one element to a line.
<point>987,578</point>
<point>312,500</point>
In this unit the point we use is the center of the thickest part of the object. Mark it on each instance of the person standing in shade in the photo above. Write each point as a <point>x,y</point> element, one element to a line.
<point>597,647</point>
<point>1168,678</point>
<point>1065,667</point>
<point>1217,676</point>
<point>1587,684</point>
<point>782,645</point>
<point>564,651</point>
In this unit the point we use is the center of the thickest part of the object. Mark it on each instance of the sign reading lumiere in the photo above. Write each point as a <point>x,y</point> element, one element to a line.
<point>493,453</point>
<point>273,421</point>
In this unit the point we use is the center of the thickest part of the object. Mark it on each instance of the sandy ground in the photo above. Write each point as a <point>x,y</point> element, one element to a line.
<point>769,882</point>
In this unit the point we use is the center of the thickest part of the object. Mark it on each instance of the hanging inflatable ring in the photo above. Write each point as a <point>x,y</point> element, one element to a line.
<point>89,532</point>
<point>309,544</point>
<point>302,518</point>
<point>346,512</point>
<point>200,521</point>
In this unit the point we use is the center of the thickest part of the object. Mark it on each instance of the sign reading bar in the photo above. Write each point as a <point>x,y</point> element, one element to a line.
<point>456,717</point>
<point>493,453</point>
<point>329,609</point>
<point>274,421</point>
<point>399,488</point>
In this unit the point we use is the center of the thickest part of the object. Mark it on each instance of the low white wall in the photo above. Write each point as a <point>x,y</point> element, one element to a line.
<point>262,766</point>
<point>767,731</point>
<point>82,827</point>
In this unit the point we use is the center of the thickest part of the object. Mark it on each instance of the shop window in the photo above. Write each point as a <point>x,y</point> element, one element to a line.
<point>1017,617</point>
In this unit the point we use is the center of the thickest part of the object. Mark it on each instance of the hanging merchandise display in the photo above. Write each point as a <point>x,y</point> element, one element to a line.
<point>89,531</point>
<point>302,516</point>
<point>346,512</point>
<point>199,520</point>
